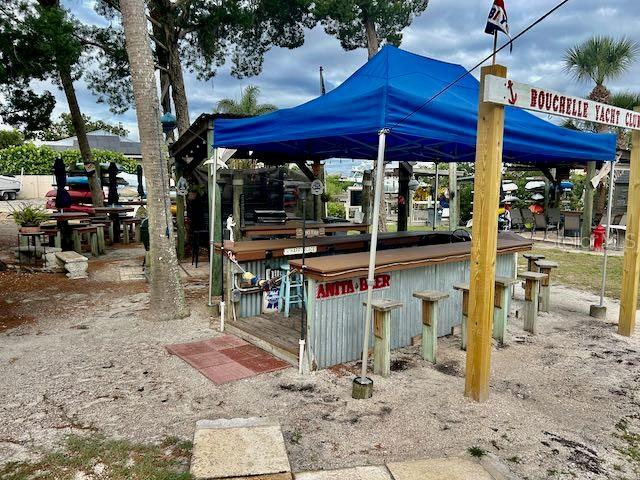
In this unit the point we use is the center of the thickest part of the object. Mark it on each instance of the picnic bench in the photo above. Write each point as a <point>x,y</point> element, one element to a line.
<point>75,264</point>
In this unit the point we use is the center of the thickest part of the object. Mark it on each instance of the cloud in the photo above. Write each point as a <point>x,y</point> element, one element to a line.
<point>450,31</point>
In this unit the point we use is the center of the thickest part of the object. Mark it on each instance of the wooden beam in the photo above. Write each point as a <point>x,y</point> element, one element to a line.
<point>302,165</point>
<point>631,264</point>
<point>484,241</point>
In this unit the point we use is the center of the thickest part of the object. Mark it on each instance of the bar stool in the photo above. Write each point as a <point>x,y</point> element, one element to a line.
<point>286,286</point>
<point>545,267</point>
<point>501,307</point>
<point>532,258</point>
<point>430,300</point>
<point>464,288</point>
<point>531,294</point>
<point>382,308</point>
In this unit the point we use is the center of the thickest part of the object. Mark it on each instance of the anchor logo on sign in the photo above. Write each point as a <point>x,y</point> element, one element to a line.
<point>514,96</point>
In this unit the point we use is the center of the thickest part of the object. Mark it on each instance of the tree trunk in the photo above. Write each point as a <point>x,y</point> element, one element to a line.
<point>178,91</point>
<point>93,171</point>
<point>167,299</point>
<point>169,57</point>
<point>373,44</point>
<point>600,94</point>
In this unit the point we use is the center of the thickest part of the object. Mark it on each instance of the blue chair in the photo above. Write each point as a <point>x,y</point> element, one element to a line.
<point>291,289</point>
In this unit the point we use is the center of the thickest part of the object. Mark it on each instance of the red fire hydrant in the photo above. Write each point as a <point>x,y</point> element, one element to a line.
<point>598,238</point>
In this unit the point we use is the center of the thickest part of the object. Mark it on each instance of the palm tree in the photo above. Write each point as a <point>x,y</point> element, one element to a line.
<point>247,105</point>
<point>167,301</point>
<point>601,59</point>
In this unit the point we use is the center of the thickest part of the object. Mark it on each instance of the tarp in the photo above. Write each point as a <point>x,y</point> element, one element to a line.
<point>387,92</point>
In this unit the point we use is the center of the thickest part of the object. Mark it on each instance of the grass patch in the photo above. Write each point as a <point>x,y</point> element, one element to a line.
<point>107,458</point>
<point>582,270</point>
<point>631,443</point>
<point>476,451</point>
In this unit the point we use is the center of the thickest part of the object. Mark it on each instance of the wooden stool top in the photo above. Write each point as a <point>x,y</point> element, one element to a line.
<point>546,264</point>
<point>506,281</point>
<point>384,304</point>
<point>430,295</point>
<point>532,276</point>
<point>131,220</point>
<point>533,256</point>
<point>463,287</point>
<point>86,228</point>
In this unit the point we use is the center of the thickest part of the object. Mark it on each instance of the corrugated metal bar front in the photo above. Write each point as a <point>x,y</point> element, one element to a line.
<point>251,303</point>
<point>337,321</point>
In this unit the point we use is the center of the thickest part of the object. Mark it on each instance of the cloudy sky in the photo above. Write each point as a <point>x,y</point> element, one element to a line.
<point>450,30</point>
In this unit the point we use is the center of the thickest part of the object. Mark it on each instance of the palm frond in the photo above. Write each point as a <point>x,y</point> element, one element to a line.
<point>601,58</point>
<point>247,104</point>
<point>627,100</point>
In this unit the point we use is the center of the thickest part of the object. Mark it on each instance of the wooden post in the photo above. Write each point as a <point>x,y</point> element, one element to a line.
<point>101,243</point>
<point>454,202</point>
<point>366,197</point>
<point>484,241</point>
<point>238,187</point>
<point>216,268</point>
<point>631,264</point>
<point>587,213</point>
<point>430,323</point>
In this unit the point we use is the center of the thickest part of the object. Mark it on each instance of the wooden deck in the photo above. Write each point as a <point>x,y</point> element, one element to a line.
<point>274,333</point>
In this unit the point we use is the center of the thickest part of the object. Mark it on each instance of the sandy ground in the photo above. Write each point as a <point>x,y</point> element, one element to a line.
<point>77,357</point>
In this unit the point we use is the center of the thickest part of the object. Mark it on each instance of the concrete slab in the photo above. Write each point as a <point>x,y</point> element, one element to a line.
<point>358,473</point>
<point>232,448</point>
<point>439,469</point>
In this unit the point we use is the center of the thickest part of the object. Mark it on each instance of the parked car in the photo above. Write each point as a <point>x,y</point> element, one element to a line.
<point>9,187</point>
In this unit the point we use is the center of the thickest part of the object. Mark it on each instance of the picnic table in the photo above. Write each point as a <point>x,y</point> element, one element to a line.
<point>114,212</point>
<point>62,219</point>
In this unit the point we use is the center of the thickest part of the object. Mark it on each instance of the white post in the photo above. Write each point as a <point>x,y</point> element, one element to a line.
<point>607,231</point>
<point>372,252</point>
<point>213,173</point>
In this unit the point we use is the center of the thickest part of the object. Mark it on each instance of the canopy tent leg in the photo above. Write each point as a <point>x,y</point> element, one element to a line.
<point>600,310</point>
<point>484,241</point>
<point>631,264</point>
<point>363,380</point>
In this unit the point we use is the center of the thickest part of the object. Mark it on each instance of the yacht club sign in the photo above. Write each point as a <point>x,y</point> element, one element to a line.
<point>505,91</point>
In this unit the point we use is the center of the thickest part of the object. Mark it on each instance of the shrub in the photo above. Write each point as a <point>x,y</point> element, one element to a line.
<point>29,215</point>
<point>336,209</point>
<point>39,160</point>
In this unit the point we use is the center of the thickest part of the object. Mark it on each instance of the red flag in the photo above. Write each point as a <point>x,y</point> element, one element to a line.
<point>498,20</point>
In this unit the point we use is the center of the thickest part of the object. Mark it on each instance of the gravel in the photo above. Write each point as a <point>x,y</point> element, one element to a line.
<point>87,359</point>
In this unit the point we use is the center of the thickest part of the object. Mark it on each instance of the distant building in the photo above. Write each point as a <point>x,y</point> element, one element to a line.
<point>101,140</point>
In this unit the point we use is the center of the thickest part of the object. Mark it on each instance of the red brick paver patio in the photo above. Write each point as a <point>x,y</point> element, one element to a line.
<point>226,359</point>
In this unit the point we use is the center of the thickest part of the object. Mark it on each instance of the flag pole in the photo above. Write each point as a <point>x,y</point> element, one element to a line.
<point>495,45</point>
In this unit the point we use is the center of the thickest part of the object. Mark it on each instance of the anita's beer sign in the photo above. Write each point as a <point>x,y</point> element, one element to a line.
<point>507,92</point>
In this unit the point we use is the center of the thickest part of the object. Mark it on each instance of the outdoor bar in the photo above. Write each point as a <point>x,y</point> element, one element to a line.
<point>378,113</point>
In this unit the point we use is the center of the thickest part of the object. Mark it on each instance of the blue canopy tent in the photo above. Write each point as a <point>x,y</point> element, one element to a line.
<point>388,92</point>
<point>394,109</point>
